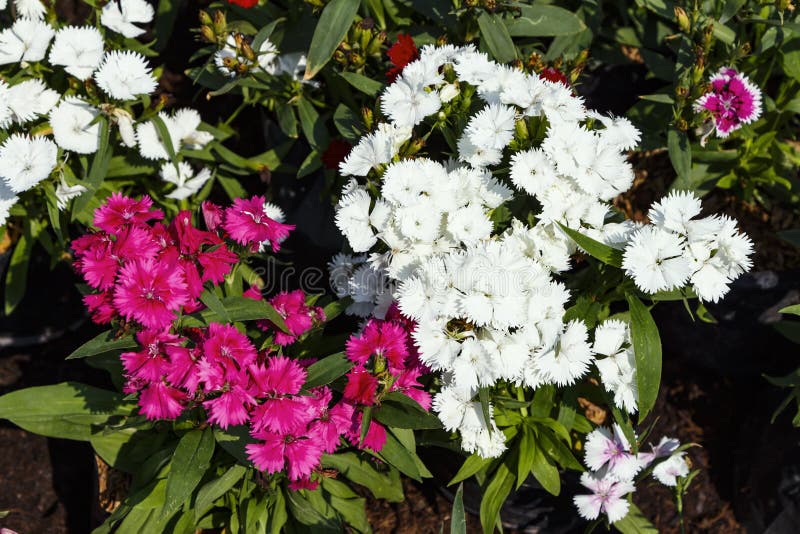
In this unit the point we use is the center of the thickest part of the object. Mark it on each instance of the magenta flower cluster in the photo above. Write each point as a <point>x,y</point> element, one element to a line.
<point>145,273</point>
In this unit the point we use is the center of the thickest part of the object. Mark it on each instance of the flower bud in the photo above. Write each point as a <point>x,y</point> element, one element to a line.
<point>367,117</point>
<point>207,34</point>
<point>340,57</point>
<point>521,130</point>
<point>448,92</point>
<point>247,52</point>
<point>205,18</point>
<point>683,19</point>
<point>220,24</point>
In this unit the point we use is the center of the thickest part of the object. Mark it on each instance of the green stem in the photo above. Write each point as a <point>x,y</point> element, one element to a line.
<point>521,397</point>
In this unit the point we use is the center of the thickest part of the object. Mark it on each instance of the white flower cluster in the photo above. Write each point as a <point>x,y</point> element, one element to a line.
<point>487,306</point>
<point>28,154</point>
<point>613,467</point>
<point>676,249</point>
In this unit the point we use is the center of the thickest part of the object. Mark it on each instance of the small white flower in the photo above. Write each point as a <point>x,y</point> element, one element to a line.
<point>26,161</point>
<point>124,122</point>
<point>66,192</point>
<point>532,171</point>
<point>609,496</point>
<point>675,211</point>
<point>26,40</point>
<point>654,259</point>
<point>74,126</point>
<point>29,99</point>
<point>122,16</point>
<point>32,9</point>
<point>569,358</point>
<point>78,49</point>
<point>376,148</point>
<point>492,128</point>
<point>183,130</point>
<point>188,183</point>
<point>352,218</point>
<point>125,75</point>
<point>407,104</point>
<point>668,471</point>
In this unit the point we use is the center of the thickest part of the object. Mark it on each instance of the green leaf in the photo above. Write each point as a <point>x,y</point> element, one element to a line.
<point>287,120</point>
<point>238,309</point>
<point>494,496</point>
<point>526,453</point>
<point>348,123</point>
<point>396,455</point>
<point>334,22</point>
<point>400,411</point>
<point>458,517</point>
<point>635,523</point>
<point>483,397</point>
<point>366,85</point>
<point>212,301</point>
<point>67,410</point>
<point>382,485</point>
<point>793,309</point>
<point>17,275</point>
<point>190,462</point>
<point>680,154</point>
<point>234,440</point>
<point>594,248</point>
<point>215,489</point>
<point>545,472</point>
<point>312,125</point>
<point>495,35</point>
<point>471,465</point>
<point>540,20</point>
<point>543,400</point>
<point>558,450</point>
<point>166,139</point>
<point>647,348</point>
<point>326,370</point>
<point>103,343</point>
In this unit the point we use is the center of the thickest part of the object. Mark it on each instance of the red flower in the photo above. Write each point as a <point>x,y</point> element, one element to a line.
<point>401,53</point>
<point>554,75</point>
<point>337,150</point>
<point>244,3</point>
<point>361,386</point>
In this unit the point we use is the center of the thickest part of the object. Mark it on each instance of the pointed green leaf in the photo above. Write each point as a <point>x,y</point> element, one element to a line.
<point>647,348</point>
<point>191,460</point>
<point>334,22</point>
<point>102,343</point>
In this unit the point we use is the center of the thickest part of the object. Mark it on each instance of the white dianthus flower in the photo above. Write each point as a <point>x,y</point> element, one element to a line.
<point>78,49</point>
<point>183,127</point>
<point>352,218</point>
<point>532,171</point>
<point>375,148</point>
<point>29,99</point>
<point>26,40</point>
<point>66,192</point>
<point>122,16</point>
<point>125,75</point>
<point>26,161</point>
<point>6,114</point>
<point>654,259</point>
<point>408,105</point>
<point>188,183</point>
<point>74,126</point>
<point>668,471</point>
<point>569,359</point>
<point>32,9</point>
<point>492,128</point>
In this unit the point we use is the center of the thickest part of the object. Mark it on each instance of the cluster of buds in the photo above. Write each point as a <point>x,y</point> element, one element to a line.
<point>213,30</point>
<point>558,70</point>
<point>363,41</point>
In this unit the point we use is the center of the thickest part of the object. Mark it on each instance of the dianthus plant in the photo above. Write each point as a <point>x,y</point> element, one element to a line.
<point>482,208</point>
<point>234,412</point>
<point>78,120</point>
